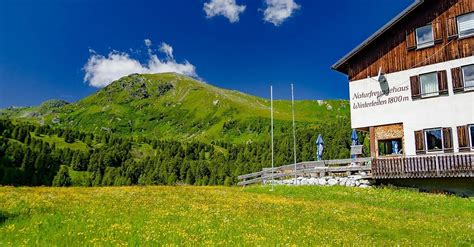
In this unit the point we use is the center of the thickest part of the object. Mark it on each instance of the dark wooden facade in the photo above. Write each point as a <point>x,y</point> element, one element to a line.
<point>395,49</point>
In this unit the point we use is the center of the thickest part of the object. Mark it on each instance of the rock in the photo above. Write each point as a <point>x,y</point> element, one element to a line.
<point>164,88</point>
<point>357,183</point>
<point>322,181</point>
<point>332,182</point>
<point>363,173</point>
<point>356,177</point>
<point>364,181</point>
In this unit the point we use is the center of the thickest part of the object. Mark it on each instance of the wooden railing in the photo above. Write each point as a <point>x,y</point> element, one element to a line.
<point>319,168</point>
<point>427,166</point>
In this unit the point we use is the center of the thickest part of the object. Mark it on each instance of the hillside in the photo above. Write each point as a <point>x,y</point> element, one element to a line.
<point>162,129</point>
<point>172,106</point>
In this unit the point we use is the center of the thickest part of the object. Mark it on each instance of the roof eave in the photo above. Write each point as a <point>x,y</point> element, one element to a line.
<point>337,66</point>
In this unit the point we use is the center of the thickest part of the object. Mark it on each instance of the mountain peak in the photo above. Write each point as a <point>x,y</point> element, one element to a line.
<point>170,106</point>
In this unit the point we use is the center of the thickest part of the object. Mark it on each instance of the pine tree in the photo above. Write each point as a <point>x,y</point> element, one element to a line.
<point>62,178</point>
<point>227,181</point>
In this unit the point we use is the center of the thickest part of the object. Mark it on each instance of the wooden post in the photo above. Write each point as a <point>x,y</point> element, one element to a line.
<point>373,150</point>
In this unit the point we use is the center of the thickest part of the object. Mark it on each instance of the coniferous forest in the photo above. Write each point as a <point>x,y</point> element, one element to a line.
<point>37,155</point>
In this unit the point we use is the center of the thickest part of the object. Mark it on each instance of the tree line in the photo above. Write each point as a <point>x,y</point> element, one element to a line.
<point>113,160</point>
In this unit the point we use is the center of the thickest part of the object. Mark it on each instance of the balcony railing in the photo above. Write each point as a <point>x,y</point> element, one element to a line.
<point>427,166</point>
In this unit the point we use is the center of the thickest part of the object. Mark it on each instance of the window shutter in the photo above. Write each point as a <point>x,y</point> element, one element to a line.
<point>437,32</point>
<point>458,84</point>
<point>410,39</point>
<point>448,140</point>
<point>452,28</point>
<point>463,139</point>
<point>415,87</point>
<point>419,142</point>
<point>442,82</point>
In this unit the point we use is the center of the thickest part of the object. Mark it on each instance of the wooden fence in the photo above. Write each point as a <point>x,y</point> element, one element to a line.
<point>428,166</point>
<point>319,168</point>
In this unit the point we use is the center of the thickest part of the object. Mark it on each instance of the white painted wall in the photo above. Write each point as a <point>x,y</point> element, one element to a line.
<point>443,111</point>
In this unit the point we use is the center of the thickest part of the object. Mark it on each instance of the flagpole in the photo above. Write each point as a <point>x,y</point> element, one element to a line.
<point>294,131</point>
<point>271,110</point>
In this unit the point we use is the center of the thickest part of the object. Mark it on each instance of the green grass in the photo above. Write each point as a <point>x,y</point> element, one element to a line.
<point>79,178</point>
<point>305,216</point>
<point>61,143</point>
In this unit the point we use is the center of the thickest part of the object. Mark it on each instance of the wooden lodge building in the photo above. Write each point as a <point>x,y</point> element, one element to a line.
<point>412,88</point>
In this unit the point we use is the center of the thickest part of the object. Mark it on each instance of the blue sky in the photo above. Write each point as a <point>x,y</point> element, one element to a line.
<point>46,44</point>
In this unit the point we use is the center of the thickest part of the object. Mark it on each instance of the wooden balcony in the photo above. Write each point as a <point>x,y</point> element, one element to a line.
<point>426,166</point>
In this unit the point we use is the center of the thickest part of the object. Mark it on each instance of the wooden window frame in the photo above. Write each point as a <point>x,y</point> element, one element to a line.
<point>427,44</point>
<point>426,141</point>
<point>459,30</point>
<point>448,139</point>
<point>457,80</point>
<point>452,28</point>
<point>463,138</point>
<point>420,146</point>
<point>410,37</point>
<point>401,150</point>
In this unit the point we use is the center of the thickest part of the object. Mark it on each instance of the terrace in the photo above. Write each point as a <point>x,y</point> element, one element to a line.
<point>458,165</point>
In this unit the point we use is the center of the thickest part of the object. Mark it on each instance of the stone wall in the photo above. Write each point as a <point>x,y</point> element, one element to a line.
<point>386,132</point>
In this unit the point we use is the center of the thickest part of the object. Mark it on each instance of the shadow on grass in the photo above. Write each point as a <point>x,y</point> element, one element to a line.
<point>4,216</point>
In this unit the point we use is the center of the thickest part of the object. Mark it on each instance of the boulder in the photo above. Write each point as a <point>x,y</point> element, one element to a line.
<point>364,181</point>
<point>322,181</point>
<point>332,182</point>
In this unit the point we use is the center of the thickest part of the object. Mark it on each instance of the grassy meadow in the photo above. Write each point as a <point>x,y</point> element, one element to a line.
<point>225,216</point>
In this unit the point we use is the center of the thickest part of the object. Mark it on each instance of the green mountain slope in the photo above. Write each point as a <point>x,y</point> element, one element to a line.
<point>172,106</point>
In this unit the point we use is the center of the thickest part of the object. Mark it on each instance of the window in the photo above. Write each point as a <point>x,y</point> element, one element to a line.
<point>468,77</point>
<point>471,135</point>
<point>424,37</point>
<point>390,147</point>
<point>429,84</point>
<point>434,140</point>
<point>466,25</point>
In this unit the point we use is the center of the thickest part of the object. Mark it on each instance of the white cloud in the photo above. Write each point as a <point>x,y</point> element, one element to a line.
<point>147,42</point>
<point>167,49</point>
<point>227,8</point>
<point>103,70</point>
<point>278,11</point>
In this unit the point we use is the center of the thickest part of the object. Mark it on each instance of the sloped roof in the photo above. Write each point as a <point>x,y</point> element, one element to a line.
<point>340,64</point>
